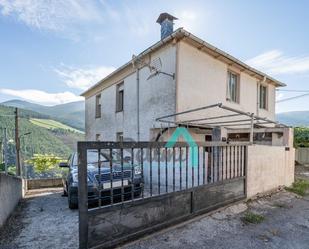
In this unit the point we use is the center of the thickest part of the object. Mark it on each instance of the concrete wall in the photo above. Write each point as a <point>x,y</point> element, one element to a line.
<point>10,194</point>
<point>157,98</point>
<point>302,155</point>
<point>44,183</point>
<point>268,168</point>
<point>202,80</point>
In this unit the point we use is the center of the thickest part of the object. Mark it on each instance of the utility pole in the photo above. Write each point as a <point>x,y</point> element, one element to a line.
<point>5,150</point>
<point>17,144</point>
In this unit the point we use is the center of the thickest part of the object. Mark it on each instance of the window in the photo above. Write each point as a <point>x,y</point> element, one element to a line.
<point>98,137</point>
<point>98,106</point>
<point>233,87</point>
<point>119,136</point>
<point>263,97</point>
<point>119,97</point>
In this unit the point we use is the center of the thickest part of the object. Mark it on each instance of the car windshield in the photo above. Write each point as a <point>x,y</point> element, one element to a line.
<point>92,157</point>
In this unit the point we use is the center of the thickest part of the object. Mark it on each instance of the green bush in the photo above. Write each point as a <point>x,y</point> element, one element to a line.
<point>44,162</point>
<point>301,137</point>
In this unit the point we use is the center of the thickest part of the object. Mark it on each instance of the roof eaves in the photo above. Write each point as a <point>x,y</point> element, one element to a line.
<point>180,32</point>
<point>176,33</point>
<point>230,57</point>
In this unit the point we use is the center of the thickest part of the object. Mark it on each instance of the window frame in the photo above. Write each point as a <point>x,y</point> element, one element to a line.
<point>237,92</point>
<point>118,136</point>
<point>265,105</point>
<point>98,137</point>
<point>120,97</point>
<point>98,106</point>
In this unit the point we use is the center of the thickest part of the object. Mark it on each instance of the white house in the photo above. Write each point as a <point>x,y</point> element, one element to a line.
<point>178,73</point>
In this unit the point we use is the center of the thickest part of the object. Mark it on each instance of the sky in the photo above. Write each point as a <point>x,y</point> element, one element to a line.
<point>51,51</point>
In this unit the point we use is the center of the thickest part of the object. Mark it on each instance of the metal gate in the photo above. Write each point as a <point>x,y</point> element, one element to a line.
<point>129,189</point>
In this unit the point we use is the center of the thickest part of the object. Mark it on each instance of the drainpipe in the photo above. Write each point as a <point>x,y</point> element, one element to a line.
<point>137,103</point>
<point>257,98</point>
<point>251,128</point>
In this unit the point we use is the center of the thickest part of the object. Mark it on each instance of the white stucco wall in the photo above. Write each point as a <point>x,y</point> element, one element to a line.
<point>268,168</point>
<point>202,80</point>
<point>157,98</point>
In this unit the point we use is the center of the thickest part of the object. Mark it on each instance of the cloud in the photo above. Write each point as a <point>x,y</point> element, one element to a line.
<point>275,62</point>
<point>83,78</point>
<point>42,97</point>
<point>70,17</point>
<point>50,15</point>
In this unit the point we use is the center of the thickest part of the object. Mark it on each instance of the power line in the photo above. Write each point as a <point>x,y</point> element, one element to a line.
<point>291,98</point>
<point>288,90</point>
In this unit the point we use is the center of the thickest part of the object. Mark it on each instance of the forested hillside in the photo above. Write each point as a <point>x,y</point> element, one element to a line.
<point>72,114</point>
<point>60,142</point>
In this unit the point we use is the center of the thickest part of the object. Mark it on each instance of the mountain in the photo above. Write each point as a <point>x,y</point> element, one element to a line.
<point>40,140</point>
<point>72,114</point>
<point>296,118</point>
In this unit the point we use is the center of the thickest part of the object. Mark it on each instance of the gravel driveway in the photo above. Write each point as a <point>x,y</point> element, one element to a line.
<point>42,220</point>
<point>286,226</point>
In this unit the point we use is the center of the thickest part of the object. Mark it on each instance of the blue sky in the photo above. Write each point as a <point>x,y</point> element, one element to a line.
<point>50,51</point>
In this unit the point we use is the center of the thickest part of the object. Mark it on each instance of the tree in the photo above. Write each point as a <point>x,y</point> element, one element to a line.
<point>44,162</point>
<point>301,137</point>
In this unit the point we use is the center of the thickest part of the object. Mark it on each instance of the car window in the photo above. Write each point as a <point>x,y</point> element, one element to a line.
<point>92,157</point>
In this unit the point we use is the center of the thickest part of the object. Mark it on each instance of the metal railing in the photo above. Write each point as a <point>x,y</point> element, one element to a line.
<point>116,172</point>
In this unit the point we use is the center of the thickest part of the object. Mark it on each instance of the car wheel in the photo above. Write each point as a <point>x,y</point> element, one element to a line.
<point>72,205</point>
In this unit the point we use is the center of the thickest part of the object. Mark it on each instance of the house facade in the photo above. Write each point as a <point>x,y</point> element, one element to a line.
<point>178,73</point>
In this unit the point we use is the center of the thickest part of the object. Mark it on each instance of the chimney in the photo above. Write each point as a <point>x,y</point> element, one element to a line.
<point>166,22</point>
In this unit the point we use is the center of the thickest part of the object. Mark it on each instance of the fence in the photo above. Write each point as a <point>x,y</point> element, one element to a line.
<point>302,155</point>
<point>129,189</point>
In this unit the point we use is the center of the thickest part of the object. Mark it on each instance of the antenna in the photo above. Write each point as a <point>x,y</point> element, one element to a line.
<point>154,66</point>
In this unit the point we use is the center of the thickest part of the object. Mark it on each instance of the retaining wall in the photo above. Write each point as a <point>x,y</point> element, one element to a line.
<point>44,183</point>
<point>11,192</point>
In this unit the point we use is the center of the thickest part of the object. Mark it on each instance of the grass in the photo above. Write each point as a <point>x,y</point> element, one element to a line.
<point>52,124</point>
<point>299,187</point>
<point>253,218</point>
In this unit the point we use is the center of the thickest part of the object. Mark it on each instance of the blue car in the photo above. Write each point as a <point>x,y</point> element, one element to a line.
<point>125,184</point>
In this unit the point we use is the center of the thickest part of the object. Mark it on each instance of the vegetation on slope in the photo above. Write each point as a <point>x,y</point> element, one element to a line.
<point>58,141</point>
<point>72,114</point>
<point>52,124</point>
